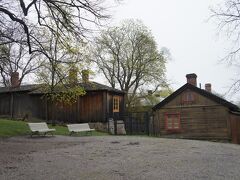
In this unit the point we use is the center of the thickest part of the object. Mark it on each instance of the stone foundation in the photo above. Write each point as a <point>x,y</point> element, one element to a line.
<point>120,127</point>
<point>99,126</point>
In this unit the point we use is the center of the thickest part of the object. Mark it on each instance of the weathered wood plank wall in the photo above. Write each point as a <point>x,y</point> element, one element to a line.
<point>235,127</point>
<point>5,104</point>
<point>202,119</point>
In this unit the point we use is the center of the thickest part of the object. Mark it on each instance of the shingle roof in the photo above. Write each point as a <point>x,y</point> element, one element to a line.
<point>21,88</point>
<point>36,88</point>
<point>207,94</point>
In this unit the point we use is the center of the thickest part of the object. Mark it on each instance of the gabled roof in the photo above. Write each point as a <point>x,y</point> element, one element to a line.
<point>207,94</point>
<point>36,88</point>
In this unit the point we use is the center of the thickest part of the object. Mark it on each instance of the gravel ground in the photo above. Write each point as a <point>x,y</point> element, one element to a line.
<point>116,157</point>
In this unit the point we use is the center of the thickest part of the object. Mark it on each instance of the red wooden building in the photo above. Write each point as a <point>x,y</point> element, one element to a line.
<point>195,113</point>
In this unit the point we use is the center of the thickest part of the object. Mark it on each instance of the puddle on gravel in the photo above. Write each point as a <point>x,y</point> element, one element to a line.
<point>115,142</point>
<point>133,143</point>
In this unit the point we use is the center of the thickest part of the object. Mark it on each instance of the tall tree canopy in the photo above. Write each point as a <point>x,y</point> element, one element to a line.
<point>65,18</point>
<point>228,18</point>
<point>128,57</point>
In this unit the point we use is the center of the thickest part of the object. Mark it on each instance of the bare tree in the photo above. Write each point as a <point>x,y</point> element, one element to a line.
<point>127,56</point>
<point>228,18</point>
<point>62,18</point>
<point>15,58</point>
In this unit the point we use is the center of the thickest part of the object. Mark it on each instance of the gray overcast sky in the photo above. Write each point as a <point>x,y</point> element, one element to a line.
<point>182,27</point>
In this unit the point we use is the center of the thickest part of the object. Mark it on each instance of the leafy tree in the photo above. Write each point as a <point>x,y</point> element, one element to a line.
<point>128,57</point>
<point>58,74</point>
<point>149,98</point>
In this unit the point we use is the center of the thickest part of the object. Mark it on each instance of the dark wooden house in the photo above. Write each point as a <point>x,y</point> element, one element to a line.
<point>192,112</point>
<point>98,104</point>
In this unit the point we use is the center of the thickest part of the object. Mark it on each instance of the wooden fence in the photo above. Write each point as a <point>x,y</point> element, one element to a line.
<point>137,123</point>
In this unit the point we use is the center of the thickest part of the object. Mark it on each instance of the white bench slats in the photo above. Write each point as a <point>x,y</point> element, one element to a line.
<point>41,127</point>
<point>74,128</point>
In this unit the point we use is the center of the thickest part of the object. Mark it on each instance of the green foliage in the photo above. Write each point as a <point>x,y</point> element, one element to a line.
<point>164,92</point>
<point>146,100</point>
<point>59,73</point>
<point>129,58</point>
<point>66,95</point>
<point>13,128</point>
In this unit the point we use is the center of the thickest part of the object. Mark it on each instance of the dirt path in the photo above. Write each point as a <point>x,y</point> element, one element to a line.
<point>116,158</point>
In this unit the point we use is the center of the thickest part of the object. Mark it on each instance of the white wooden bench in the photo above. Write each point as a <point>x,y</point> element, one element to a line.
<point>37,128</point>
<point>75,128</point>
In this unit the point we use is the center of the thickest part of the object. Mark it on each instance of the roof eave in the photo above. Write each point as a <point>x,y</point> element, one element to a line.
<point>211,96</point>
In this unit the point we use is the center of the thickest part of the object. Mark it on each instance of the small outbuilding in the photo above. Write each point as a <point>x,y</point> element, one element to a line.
<point>195,113</point>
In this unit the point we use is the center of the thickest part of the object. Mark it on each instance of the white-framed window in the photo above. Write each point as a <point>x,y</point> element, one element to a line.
<point>115,103</point>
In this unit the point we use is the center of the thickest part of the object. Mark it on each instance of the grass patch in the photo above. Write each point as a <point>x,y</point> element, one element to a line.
<point>9,128</point>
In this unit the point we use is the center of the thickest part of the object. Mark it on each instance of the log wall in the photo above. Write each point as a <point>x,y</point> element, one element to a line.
<point>235,127</point>
<point>203,119</point>
<point>95,106</point>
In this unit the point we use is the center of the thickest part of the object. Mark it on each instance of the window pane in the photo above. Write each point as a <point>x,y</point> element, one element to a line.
<point>172,121</point>
<point>169,122</point>
<point>176,126</point>
<point>116,104</point>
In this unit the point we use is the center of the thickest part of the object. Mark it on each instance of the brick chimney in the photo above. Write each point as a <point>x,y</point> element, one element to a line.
<point>192,79</point>
<point>85,76</point>
<point>208,87</point>
<point>15,79</point>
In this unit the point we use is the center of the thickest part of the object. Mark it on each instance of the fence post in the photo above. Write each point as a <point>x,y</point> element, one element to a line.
<point>131,122</point>
<point>115,126</point>
<point>146,123</point>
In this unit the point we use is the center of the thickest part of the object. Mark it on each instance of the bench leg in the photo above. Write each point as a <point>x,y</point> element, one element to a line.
<point>35,132</point>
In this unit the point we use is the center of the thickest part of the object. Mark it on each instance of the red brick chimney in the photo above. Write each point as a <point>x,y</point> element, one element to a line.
<point>208,87</point>
<point>15,79</point>
<point>192,79</point>
<point>85,76</point>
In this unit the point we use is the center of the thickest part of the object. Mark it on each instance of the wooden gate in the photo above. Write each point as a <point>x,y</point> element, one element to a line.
<point>137,123</point>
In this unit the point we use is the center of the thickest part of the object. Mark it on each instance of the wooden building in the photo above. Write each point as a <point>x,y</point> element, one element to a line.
<point>98,104</point>
<point>192,112</point>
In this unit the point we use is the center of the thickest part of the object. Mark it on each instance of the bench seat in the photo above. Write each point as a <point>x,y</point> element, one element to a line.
<point>37,128</point>
<point>75,128</point>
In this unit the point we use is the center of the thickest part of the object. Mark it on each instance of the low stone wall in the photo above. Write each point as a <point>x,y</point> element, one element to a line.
<point>99,126</point>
